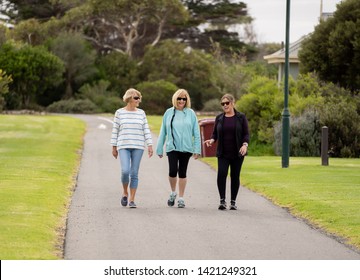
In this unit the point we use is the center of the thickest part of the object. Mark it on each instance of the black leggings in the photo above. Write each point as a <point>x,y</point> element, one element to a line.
<point>178,163</point>
<point>223,169</point>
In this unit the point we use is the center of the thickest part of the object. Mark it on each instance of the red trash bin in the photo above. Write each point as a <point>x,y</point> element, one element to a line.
<point>206,129</point>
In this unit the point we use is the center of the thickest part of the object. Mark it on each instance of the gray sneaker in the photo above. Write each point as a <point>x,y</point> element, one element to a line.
<point>171,200</point>
<point>132,204</point>
<point>181,203</point>
<point>124,201</point>
<point>233,205</point>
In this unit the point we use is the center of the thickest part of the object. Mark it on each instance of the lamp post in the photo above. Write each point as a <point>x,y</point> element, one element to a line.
<point>286,112</point>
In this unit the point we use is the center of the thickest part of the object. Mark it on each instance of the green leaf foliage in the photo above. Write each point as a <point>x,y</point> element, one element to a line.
<point>218,16</point>
<point>5,80</point>
<point>156,96</point>
<point>304,135</point>
<point>120,69</point>
<point>79,60</point>
<point>40,9</point>
<point>262,107</point>
<point>333,49</point>
<point>341,114</point>
<point>33,70</point>
<point>98,92</point>
<point>185,67</point>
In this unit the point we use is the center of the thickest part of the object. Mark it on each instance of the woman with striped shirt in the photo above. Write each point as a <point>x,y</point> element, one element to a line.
<point>130,134</point>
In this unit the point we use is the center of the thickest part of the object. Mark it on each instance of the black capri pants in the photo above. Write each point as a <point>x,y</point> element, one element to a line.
<point>178,163</point>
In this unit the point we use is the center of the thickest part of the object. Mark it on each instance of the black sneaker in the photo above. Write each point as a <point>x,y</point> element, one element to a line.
<point>124,201</point>
<point>233,205</point>
<point>222,205</point>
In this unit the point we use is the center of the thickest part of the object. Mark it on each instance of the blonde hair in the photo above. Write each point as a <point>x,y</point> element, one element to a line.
<point>177,94</point>
<point>229,97</point>
<point>130,93</point>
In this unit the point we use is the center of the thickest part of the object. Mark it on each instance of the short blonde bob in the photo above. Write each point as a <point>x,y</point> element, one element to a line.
<point>130,93</point>
<point>177,94</point>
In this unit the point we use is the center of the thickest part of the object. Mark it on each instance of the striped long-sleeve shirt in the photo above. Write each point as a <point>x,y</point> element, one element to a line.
<point>130,130</point>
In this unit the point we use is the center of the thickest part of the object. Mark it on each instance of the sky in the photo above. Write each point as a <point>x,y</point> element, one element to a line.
<point>270,18</point>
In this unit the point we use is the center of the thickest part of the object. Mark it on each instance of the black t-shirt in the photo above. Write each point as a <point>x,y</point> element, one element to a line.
<point>229,149</point>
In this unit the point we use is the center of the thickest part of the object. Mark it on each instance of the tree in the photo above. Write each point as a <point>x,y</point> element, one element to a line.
<point>29,31</point>
<point>125,26</point>
<point>35,32</point>
<point>211,21</point>
<point>230,75</point>
<point>186,68</point>
<point>33,70</point>
<point>78,59</point>
<point>333,49</point>
<point>38,9</point>
<point>120,70</point>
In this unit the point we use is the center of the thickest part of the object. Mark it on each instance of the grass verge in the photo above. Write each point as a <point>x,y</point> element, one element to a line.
<point>39,157</point>
<point>327,197</point>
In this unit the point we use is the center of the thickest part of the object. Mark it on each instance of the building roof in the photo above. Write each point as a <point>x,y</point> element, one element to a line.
<point>279,56</point>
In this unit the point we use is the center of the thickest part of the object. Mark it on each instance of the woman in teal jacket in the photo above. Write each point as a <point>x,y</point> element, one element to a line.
<point>181,135</point>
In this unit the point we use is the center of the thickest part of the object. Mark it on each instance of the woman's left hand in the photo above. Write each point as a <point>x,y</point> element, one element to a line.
<point>243,150</point>
<point>196,156</point>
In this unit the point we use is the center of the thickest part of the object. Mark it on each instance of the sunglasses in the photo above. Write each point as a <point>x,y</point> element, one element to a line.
<point>182,98</point>
<point>136,97</point>
<point>225,103</point>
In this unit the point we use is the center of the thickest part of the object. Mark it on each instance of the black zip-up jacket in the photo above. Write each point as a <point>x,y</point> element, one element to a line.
<point>242,131</point>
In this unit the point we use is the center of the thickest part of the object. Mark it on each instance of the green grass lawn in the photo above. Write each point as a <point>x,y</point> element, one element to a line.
<point>39,157</point>
<point>328,197</point>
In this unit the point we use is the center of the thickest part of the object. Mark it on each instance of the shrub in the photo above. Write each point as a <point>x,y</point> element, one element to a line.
<point>80,106</point>
<point>156,96</point>
<point>212,105</point>
<point>111,104</point>
<point>98,93</point>
<point>262,107</point>
<point>341,117</point>
<point>305,135</point>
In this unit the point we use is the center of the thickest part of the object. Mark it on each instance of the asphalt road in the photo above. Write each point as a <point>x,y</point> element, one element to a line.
<point>99,228</point>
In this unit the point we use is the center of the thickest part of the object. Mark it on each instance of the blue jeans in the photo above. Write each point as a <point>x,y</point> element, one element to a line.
<point>130,163</point>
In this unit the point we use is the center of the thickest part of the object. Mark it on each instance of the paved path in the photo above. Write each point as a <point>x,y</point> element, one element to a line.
<point>99,228</point>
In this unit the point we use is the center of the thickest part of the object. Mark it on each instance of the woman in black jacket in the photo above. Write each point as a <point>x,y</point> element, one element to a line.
<point>231,130</point>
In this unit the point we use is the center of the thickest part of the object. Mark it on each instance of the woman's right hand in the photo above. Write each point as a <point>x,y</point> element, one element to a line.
<point>115,152</point>
<point>209,142</point>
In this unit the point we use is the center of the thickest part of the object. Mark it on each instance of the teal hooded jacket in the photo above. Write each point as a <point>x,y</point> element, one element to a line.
<point>179,132</point>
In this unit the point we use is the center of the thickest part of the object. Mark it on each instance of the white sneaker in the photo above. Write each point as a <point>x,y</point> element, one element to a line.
<point>181,203</point>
